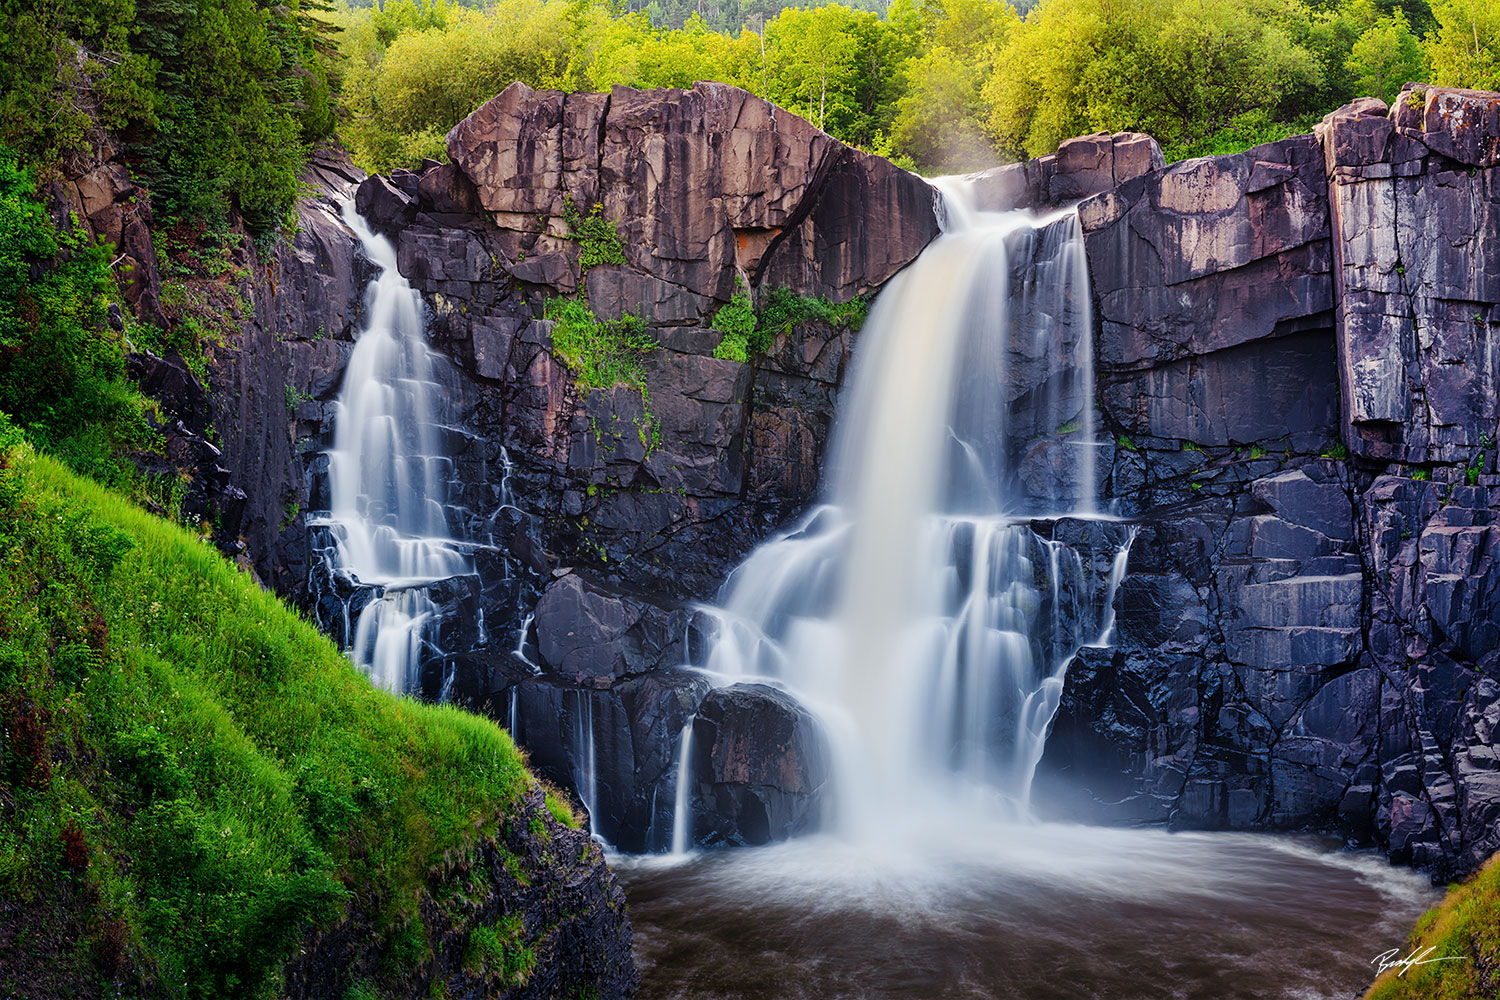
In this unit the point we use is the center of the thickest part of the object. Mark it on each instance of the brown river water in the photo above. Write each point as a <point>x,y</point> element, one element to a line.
<point>1030,912</point>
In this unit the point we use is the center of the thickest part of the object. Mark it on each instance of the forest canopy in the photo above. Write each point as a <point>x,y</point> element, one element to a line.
<point>939,85</point>
<point>218,100</point>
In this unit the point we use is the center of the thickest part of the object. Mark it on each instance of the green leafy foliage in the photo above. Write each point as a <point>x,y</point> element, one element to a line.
<point>184,753</point>
<point>52,94</point>
<point>598,240</point>
<point>1464,50</point>
<point>783,309</point>
<point>62,368</point>
<point>599,353</point>
<point>940,85</point>
<point>736,321</point>
<point>749,333</point>
<point>1386,56</point>
<point>216,98</point>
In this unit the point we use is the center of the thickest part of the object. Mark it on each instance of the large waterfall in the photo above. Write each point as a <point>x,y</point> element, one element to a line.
<point>926,611</point>
<point>388,522</point>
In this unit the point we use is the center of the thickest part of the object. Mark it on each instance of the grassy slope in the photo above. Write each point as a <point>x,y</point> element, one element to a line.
<point>1465,925</point>
<point>192,777</point>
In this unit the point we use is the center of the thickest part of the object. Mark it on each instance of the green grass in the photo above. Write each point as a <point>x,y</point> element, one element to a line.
<point>1465,925</point>
<point>499,949</point>
<point>561,811</point>
<point>186,751</point>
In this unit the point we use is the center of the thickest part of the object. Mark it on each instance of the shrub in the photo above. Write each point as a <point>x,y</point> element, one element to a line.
<point>597,238</point>
<point>736,321</point>
<point>748,334</point>
<point>600,353</point>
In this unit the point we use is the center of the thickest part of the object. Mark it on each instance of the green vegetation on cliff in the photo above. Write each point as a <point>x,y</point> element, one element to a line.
<point>192,778</point>
<point>62,367</point>
<point>749,333</point>
<point>1464,931</point>
<point>214,100</point>
<point>943,85</point>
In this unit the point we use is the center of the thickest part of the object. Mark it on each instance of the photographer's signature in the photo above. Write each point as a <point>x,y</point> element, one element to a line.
<point>1392,960</point>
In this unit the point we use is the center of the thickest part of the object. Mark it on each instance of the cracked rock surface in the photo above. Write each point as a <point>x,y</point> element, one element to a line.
<point>1299,345</point>
<point>1296,352</point>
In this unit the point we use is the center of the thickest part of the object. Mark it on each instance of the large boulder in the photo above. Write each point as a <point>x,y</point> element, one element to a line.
<point>759,766</point>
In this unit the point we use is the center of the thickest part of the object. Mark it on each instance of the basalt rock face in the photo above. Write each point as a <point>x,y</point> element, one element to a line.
<point>600,514</point>
<point>758,766</point>
<point>1297,350</point>
<point>541,886</point>
<point>1081,167</point>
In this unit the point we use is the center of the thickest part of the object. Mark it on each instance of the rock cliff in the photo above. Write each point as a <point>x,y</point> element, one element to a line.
<point>1296,367</point>
<point>1297,357</point>
<point>603,512</point>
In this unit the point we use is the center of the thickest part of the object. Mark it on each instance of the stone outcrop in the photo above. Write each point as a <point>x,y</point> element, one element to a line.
<point>1296,350</point>
<point>758,767</point>
<point>1418,301</point>
<point>1081,167</point>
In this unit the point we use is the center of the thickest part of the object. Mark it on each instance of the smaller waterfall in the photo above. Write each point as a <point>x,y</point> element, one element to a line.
<point>585,754</point>
<point>682,812</point>
<point>388,478</point>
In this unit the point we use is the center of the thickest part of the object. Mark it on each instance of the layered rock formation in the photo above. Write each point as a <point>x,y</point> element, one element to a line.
<point>1297,349</point>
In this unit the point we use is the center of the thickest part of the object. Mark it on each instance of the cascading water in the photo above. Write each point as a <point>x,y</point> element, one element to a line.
<point>387,523</point>
<point>926,612</point>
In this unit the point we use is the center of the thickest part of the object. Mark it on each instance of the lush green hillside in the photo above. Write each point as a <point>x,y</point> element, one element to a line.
<point>1464,931</point>
<point>191,777</point>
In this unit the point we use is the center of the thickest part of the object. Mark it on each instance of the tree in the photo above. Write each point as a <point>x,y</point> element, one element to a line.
<point>1465,49</point>
<point>812,59</point>
<point>1385,57</point>
<point>939,119</point>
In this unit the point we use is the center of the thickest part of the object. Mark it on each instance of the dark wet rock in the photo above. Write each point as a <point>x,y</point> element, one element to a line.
<point>759,764</point>
<point>593,639</point>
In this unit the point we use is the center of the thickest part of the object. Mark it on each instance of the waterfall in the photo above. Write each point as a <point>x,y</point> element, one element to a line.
<point>585,755</point>
<point>926,611</point>
<point>387,523</point>
<point>682,818</point>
